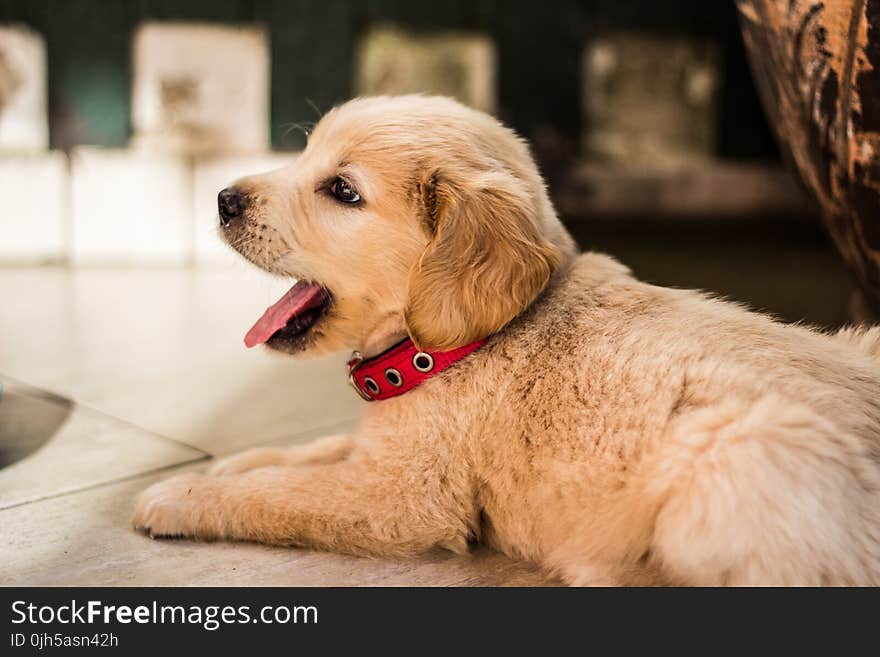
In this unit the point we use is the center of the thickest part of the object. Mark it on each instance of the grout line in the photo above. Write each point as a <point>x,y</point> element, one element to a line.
<point>101,484</point>
<point>59,398</point>
<point>56,398</point>
<point>95,411</point>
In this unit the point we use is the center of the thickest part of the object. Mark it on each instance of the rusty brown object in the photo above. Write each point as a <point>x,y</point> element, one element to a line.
<point>817,66</point>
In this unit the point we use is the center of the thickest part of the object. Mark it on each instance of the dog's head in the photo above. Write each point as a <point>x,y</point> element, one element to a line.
<point>409,214</point>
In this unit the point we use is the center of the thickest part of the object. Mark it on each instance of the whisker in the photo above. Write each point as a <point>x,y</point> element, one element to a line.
<point>305,127</point>
<point>315,107</point>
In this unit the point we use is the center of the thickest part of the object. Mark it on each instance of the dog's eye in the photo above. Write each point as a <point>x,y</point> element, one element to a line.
<point>343,190</point>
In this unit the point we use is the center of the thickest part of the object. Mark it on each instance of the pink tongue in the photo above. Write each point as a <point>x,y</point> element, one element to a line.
<point>299,298</point>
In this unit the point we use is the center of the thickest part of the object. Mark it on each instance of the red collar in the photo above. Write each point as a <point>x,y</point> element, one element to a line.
<point>401,368</point>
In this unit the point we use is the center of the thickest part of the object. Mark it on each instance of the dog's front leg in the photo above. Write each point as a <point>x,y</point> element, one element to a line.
<point>355,506</point>
<point>317,452</point>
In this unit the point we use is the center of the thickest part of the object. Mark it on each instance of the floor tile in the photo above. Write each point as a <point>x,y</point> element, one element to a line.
<point>50,446</point>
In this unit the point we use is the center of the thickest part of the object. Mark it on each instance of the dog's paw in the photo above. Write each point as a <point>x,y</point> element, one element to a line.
<point>249,460</point>
<point>183,506</point>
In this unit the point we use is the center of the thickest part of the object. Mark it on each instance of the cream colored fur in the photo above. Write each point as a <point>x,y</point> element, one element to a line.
<point>612,431</point>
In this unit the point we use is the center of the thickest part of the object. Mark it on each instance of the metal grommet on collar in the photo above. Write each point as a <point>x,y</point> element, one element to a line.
<point>423,362</point>
<point>353,364</point>
<point>393,377</point>
<point>371,385</point>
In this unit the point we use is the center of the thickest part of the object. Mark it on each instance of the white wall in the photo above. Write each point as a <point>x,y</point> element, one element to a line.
<point>33,225</point>
<point>130,207</point>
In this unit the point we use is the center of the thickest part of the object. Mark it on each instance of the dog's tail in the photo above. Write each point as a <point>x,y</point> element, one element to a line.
<point>864,338</point>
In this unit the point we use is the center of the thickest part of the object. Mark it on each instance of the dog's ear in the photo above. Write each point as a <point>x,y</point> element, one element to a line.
<point>486,262</point>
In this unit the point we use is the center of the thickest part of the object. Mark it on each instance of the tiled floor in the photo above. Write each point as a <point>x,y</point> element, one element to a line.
<point>113,379</point>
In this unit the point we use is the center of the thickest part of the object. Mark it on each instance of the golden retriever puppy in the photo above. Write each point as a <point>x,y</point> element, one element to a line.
<point>612,431</point>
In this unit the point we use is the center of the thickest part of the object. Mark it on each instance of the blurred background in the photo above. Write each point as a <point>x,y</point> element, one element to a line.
<point>120,120</point>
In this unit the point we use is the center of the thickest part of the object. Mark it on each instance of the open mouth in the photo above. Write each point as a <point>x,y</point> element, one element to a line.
<point>291,317</point>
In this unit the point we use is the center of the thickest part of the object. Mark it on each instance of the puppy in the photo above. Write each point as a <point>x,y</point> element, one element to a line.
<point>612,431</point>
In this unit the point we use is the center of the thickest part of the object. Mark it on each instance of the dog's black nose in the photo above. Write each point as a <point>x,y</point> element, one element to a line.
<point>230,206</point>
